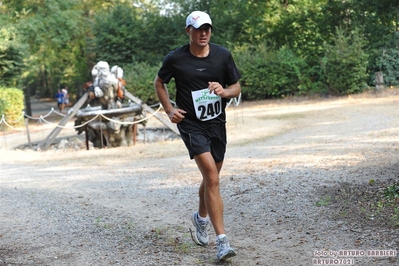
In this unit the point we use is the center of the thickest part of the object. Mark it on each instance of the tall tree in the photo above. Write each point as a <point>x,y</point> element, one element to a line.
<point>11,56</point>
<point>127,34</point>
<point>54,32</point>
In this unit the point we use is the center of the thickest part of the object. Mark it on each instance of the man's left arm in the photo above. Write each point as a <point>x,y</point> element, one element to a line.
<point>229,92</point>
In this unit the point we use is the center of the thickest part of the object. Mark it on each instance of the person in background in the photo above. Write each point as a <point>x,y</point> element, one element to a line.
<point>66,97</point>
<point>206,78</point>
<point>60,100</point>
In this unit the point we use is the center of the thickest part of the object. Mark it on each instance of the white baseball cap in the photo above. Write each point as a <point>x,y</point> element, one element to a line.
<point>197,19</point>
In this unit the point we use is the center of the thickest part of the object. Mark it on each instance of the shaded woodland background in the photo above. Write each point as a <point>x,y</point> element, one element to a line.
<point>282,47</point>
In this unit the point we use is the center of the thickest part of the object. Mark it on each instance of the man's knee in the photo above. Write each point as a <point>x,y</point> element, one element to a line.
<point>212,181</point>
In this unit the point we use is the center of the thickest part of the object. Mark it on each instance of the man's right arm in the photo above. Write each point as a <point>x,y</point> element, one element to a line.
<point>175,115</point>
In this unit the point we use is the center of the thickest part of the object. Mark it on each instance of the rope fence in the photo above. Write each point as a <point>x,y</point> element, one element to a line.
<point>45,123</point>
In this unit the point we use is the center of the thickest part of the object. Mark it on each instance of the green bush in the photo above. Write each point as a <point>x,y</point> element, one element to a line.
<point>345,63</point>
<point>385,59</point>
<point>11,105</point>
<point>388,64</point>
<point>269,74</point>
<point>140,82</point>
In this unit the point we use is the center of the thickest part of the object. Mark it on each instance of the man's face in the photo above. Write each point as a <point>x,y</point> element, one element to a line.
<point>200,36</point>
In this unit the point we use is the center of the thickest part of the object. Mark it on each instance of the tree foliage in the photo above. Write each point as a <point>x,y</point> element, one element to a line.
<point>267,73</point>
<point>53,32</point>
<point>127,34</point>
<point>11,58</point>
<point>282,47</point>
<point>345,63</point>
<point>388,63</point>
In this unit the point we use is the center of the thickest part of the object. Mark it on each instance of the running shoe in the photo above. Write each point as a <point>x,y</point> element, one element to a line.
<point>201,230</point>
<point>224,250</point>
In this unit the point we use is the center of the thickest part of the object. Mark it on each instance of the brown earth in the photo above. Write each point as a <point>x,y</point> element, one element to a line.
<point>303,179</point>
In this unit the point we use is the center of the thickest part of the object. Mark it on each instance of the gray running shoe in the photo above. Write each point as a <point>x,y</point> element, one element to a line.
<point>201,230</point>
<point>224,250</point>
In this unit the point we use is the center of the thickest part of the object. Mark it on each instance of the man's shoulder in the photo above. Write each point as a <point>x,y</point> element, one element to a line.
<point>180,50</point>
<point>218,47</point>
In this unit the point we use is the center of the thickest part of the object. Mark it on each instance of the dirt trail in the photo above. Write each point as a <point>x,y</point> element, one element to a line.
<point>295,182</point>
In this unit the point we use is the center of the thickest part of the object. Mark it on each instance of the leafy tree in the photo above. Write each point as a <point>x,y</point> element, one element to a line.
<point>54,33</point>
<point>11,60</point>
<point>378,19</point>
<point>387,61</point>
<point>345,63</point>
<point>128,34</point>
<point>52,43</point>
<point>116,34</point>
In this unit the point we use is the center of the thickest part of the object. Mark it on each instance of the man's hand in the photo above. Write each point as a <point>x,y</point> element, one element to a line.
<point>216,88</point>
<point>176,115</point>
<point>230,92</point>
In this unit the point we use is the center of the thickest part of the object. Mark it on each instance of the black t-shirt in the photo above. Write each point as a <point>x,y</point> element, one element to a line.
<point>193,73</point>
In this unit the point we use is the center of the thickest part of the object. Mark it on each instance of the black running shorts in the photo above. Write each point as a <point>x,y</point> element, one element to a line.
<point>202,137</point>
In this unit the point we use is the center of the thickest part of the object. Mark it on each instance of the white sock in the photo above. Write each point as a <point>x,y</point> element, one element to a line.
<point>220,236</point>
<point>202,218</point>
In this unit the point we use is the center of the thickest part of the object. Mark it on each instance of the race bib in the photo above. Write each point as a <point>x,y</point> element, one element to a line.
<point>207,106</point>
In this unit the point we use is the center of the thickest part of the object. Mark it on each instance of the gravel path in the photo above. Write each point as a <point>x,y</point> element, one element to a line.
<point>295,181</point>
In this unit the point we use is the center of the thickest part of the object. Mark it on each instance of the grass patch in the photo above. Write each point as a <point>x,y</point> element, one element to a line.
<point>324,201</point>
<point>373,203</point>
<point>175,239</point>
<point>389,201</point>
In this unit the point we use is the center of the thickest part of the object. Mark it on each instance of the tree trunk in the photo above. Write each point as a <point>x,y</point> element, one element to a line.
<point>28,108</point>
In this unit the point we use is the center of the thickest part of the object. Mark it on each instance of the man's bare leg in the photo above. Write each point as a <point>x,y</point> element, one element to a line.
<point>209,192</point>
